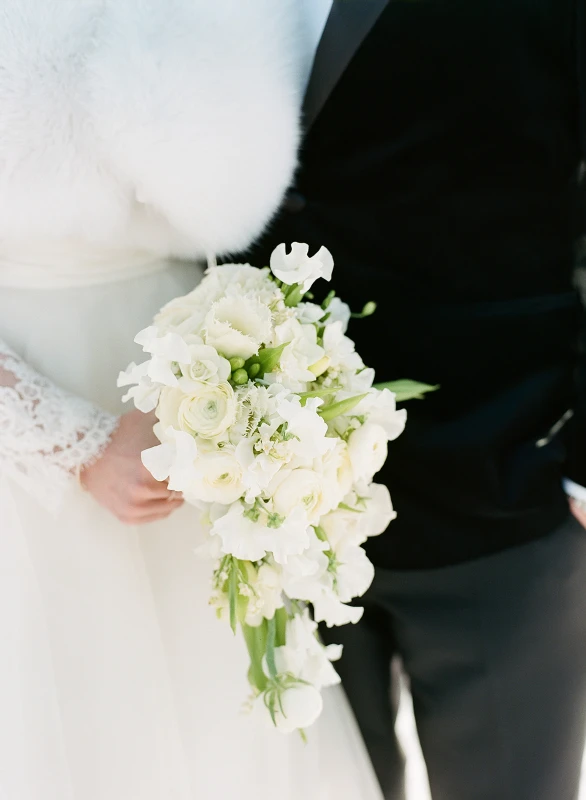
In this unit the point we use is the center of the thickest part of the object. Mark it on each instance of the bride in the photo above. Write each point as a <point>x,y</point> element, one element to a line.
<point>137,137</point>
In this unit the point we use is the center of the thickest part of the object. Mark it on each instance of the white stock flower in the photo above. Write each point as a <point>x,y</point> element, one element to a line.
<point>238,327</point>
<point>268,596</point>
<point>367,448</point>
<point>250,540</point>
<point>298,267</point>
<point>219,475</point>
<point>205,365</point>
<point>381,409</point>
<point>207,411</point>
<point>299,707</point>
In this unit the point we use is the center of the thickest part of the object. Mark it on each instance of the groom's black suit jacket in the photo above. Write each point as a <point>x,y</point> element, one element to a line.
<point>440,168</point>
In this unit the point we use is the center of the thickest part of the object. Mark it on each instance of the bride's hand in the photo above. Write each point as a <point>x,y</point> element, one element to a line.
<point>120,482</point>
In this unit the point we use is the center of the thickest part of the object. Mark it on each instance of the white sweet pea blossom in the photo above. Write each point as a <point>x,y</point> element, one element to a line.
<point>297,267</point>
<point>251,539</point>
<point>143,392</point>
<point>338,311</point>
<point>173,460</point>
<point>381,409</point>
<point>367,448</point>
<point>305,656</point>
<point>301,352</point>
<point>379,511</point>
<point>305,425</point>
<point>164,350</point>
<point>238,327</point>
<point>340,349</point>
<point>328,608</point>
<point>267,598</point>
<point>298,708</point>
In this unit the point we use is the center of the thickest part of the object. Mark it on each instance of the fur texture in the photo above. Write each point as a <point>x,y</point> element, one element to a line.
<point>167,125</point>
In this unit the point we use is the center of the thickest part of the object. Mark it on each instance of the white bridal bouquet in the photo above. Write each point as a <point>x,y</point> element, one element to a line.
<point>269,422</point>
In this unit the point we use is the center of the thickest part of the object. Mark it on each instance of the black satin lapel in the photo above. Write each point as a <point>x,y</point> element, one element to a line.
<point>348,25</point>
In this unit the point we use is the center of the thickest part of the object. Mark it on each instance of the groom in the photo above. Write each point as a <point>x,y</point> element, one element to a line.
<point>440,166</point>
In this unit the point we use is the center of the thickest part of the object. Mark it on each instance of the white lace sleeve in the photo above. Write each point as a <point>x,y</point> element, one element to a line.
<point>46,433</point>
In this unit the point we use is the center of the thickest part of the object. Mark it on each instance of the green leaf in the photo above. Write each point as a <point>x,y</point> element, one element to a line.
<point>271,637</point>
<point>269,357</point>
<point>334,410</point>
<point>256,642</point>
<point>233,594</point>
<point>407,390</point>
<point>318,393</point>
<point>281,619</point>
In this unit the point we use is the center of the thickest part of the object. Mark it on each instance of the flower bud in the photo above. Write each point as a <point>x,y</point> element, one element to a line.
<point>236,363</point>
<point>240,377</point>
<point>320,366</point>
<point>253,370</point>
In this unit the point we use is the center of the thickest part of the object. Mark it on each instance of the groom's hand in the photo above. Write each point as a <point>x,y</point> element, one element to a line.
<point>120,482</point>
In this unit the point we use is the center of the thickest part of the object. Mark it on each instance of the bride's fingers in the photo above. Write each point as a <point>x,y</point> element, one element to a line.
<point>149,511</point>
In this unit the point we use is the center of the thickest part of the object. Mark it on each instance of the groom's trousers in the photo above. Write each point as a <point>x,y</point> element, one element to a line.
<point>495,652</point>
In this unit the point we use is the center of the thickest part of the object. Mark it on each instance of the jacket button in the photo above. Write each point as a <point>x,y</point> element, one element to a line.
<point>294,202</point>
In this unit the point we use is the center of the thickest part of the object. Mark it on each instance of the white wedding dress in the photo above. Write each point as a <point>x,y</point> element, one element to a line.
<point>136,137</point>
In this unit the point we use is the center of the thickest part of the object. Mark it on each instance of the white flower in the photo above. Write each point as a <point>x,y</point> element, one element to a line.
<point>205,365</point>
<point>208,411</point>
<point>367,448</point>
<point>338,311</point>
<point>297,487</point>
<point>335,468</point>
<point>379,511</point>
<point>219,475</point>
<point>143,392</point>
<point>298,267</point>
<point>172,460</point>
<point>304,656</point>
<point>242,281</point>
<point>307,429</point>
<point>309,313</point>
<point>340,349</point>
<point>301,352</point>
<point>238,327</point>
<point>354,572</point>
<point>380,408</point>
<point>165,350</point>
<point>182,315</point>
<point>251,540</point>
<point>268,596</point>
<point>329,609</point>
<point>299,707</point>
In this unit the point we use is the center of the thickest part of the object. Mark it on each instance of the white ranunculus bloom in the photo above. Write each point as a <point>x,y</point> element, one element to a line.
<point>248,540</point>
<point>367,448</point>
<point>208,411</point>
<point>298,267</point>
<point>238,327</point>
<point>297,487</point>
<point>299,708</point>
<point>380,408</point>
<point>219,475</point>
<point>205,365</point>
